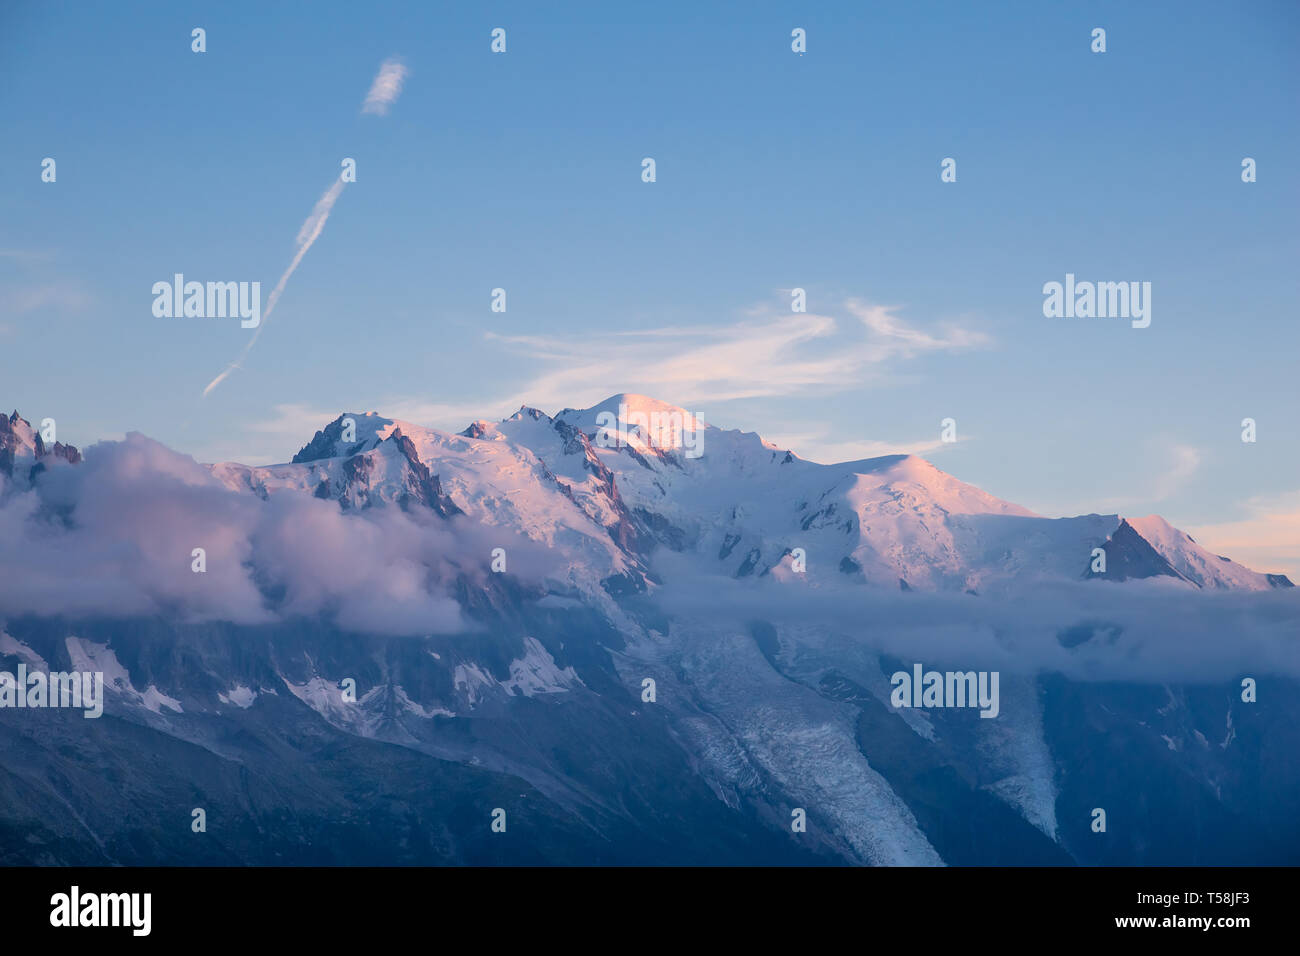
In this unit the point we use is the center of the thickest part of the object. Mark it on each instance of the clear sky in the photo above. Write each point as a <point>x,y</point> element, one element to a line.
<point>774,170</point>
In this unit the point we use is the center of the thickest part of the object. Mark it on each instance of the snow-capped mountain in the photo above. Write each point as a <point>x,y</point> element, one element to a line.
<point>607,497</point>
<point>23,453</point>
<point>648,638</point>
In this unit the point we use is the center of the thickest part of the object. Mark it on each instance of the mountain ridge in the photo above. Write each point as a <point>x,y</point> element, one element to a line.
<point>642,655</point>
<point>612,483</point>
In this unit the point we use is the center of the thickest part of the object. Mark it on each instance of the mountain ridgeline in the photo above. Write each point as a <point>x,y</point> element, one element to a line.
<point>640,648</point>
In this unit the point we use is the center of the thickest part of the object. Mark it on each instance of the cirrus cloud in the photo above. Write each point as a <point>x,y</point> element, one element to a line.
<point>386,88</point>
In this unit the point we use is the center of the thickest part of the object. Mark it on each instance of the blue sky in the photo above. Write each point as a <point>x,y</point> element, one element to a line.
<point>774,170</point>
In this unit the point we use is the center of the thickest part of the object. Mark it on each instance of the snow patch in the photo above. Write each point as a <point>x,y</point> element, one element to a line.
<point>470,680</point>
<point>534,673</point>
<point>537,673</point>
<point>240,696</point>
<point>89,656</point>
<point>11,647</point>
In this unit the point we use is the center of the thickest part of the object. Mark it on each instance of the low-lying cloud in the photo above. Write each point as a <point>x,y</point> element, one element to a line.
<point>114,536</point>
<point>1156,630</point>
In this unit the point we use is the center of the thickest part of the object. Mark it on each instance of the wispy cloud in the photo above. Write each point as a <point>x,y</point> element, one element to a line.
<point>50,296</point>
<point>1267,538</point>
<point>386,88</point>
<point>1186,463</point>
<point>823,445</point>
<point>1182,464</point>
<point>38,286</point>
<point>767,355</point>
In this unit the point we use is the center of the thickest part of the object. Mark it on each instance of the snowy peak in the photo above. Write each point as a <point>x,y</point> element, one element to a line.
<point>606,489</point>
<point>906,481</point>
<point>748,505</point>
<point>1130,556</point>
<point>629,407</point>
<point>358,460</point>
<point>17,435</point>
<point>17,446</point>
<point>24,453</point>
<point>1188,560</point>
<point>639,422</point>
<point>1151,547</point>
<point>348,435</point>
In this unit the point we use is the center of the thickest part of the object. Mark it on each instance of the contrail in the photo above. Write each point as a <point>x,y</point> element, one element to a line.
<point>306,236</point>
<point>384,90</point>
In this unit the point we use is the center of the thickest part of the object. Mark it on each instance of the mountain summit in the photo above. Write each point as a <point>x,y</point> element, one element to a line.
<point>607,486</point>
<point>645,638</point>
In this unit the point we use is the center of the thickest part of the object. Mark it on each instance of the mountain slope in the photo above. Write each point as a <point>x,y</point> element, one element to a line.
<point>607,497</point>
<point>647,639</point>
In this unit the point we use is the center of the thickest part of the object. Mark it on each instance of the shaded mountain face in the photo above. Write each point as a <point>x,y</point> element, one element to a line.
<point>1131,556</point>
<point>643,638</point>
